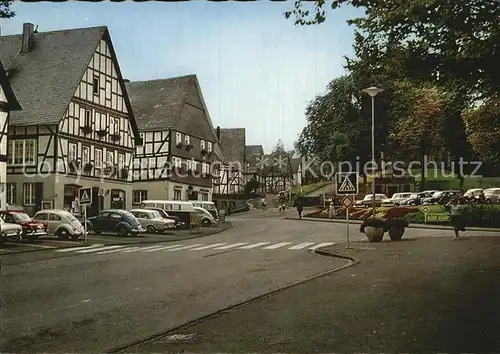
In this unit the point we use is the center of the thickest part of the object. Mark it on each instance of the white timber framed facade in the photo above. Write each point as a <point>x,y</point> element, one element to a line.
<point>175,161</point>
<point>8,103</point>
<point>87,133</point>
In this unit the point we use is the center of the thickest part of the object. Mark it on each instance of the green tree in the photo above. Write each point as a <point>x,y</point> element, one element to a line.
<point>457,40</point>
<point>483,130</point>
<point>5,10</point>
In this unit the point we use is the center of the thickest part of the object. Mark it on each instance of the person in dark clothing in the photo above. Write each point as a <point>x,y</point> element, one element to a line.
<point>299,209</point>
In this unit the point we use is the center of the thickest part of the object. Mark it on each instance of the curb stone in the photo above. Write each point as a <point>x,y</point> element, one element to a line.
<point>412,226</point>
<point>229,226</point>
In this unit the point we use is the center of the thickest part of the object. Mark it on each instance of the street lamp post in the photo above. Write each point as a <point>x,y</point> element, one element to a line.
<point>373,91</point>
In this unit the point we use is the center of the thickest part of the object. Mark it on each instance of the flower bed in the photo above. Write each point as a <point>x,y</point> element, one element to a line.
<point>364,213</point>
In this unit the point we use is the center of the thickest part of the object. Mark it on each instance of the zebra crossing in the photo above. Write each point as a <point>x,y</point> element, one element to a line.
<point>101,249</point>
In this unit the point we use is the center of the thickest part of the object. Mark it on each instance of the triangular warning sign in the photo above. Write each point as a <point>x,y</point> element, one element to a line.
<point>347,186</point>
<point>85,197</point>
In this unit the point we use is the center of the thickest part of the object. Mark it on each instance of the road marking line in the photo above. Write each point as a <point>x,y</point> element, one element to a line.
<point>322,245</point>
<point>231,246</point>
<point>79,248</point>
<point>255,245</point>
<point>184,248</point>
<point>278,245</point>
<point>161,248</point>
<point>116,250</point>
<point>40,246</point>
<point>207,247</point>
<point>132,249</point>
<point>99,249</point>
<point>301,246</point>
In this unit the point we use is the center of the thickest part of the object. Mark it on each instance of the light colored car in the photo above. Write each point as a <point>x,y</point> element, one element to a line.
<point>472,193</point>
<point>61,223</point>
<point>367,200</point>
<point>492,195</point>
<point>152,221</point>
<point>206,218</point>
<point>397,198</point>
<point>9,232</point>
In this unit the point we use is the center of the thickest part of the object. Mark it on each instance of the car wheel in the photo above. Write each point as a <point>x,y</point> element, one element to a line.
<point>151,229</point>
<point>205,222</point>
<point>62,234</point>
<point>413,204</point>
<point>122,231</point>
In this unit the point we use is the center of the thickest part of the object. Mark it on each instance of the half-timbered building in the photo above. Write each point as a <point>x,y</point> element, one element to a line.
<point>8,103</point>
<point>254,166</point>
<point>232,143</point>
<point>175,160</point>
<point>76,129</point>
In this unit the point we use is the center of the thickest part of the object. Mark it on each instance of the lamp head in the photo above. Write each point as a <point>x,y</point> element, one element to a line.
<point>373,91</point>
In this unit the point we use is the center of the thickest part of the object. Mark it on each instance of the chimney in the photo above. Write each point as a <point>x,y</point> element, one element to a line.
<point>218,133</point>
<point>28,38</point>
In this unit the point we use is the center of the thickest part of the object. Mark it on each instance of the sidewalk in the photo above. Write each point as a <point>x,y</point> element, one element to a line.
<point>413,226</point>
<point>432,295</point>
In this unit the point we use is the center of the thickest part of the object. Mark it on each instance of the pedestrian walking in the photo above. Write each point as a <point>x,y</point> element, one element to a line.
<point>331,210</point>
<point>456,218</point>
<point>299,209</point>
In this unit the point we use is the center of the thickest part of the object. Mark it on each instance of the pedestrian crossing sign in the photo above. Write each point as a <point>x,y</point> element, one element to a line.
<point>346,183</point>
<point>85,196</point>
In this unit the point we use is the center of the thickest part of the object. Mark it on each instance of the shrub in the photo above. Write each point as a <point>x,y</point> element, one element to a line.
<point>416,217</point>
<point>481,215</point>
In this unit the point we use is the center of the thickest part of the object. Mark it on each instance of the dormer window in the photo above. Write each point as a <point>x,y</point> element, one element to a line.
<point>202,145</point>
<point>186,140</point>
<point>178,138</point>
<point>209,146</point>
<point>95,85</point>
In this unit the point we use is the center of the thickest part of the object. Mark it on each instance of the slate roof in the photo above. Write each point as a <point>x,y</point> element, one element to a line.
<point>158,104</point>
<point>232,142</point>
<point>12,102</point>
<point>45,79</point>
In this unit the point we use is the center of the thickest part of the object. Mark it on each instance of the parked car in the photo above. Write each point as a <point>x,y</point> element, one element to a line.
<point>116,220</point>
<point>492,195</point>
<point>442,197</point>
<point>164,214</point>
<point>397,198</point>
<point>9,232</point>
<point>61,223</point>
<point>208,206</point>
<point>207,219</point>
<point>32,229</point>
<point>367,200</point>
<point>152,221</point>
<point>474,194</point>
<point>416,198</point>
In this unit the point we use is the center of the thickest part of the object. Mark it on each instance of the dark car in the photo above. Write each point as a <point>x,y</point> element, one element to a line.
<point>416,199</point>
<point>32,229</point>
<point>163,213</point>
<point>442,197</point>
<point>116,221</point>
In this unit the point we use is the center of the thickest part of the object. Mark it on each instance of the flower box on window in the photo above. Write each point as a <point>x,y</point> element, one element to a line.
<point>115,137</point>
<point>180,144</point>
<point>102,133</point>
<point>86,129</point>
<point>74,165</point>
<point>189,147</point>
<point>88,167</point>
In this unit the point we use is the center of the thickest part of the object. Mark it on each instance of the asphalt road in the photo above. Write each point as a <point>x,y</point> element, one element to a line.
<point>96,299</point>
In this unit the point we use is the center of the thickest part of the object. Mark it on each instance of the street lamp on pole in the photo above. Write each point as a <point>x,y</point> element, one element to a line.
<point>373,91</point>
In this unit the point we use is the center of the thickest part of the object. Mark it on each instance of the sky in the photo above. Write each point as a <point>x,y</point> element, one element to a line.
<point>256,69</point>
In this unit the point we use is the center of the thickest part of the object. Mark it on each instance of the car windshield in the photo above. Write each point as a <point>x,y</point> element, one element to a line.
<point>21,217</point>
<point>154,215</point>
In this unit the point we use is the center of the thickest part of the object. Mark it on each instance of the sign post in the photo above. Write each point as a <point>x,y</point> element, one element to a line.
<point>425,210</point>
<point>85,198</point>
<point>347,184</point>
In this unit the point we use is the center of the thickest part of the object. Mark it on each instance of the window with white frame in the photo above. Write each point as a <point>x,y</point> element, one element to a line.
<point>139,196</point>
<point>204,168</point>
<point>110,158</point>
<point>88,118</point>
<point>202,144</point>
<point>177,162</point>
<point>209,146</point>
<point>178,138</point>
<point>22,152</point>
<point>189,165</point>
<point>186,139</point>
<point>11,193</point>
<point>121,160</point>
<point>29,194</point>
<point>98,158</point>
<point>194,165</point>
<point>72,152</point>
<point>177,194</point>
<point>114,125</point>
<point>85,155</point>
